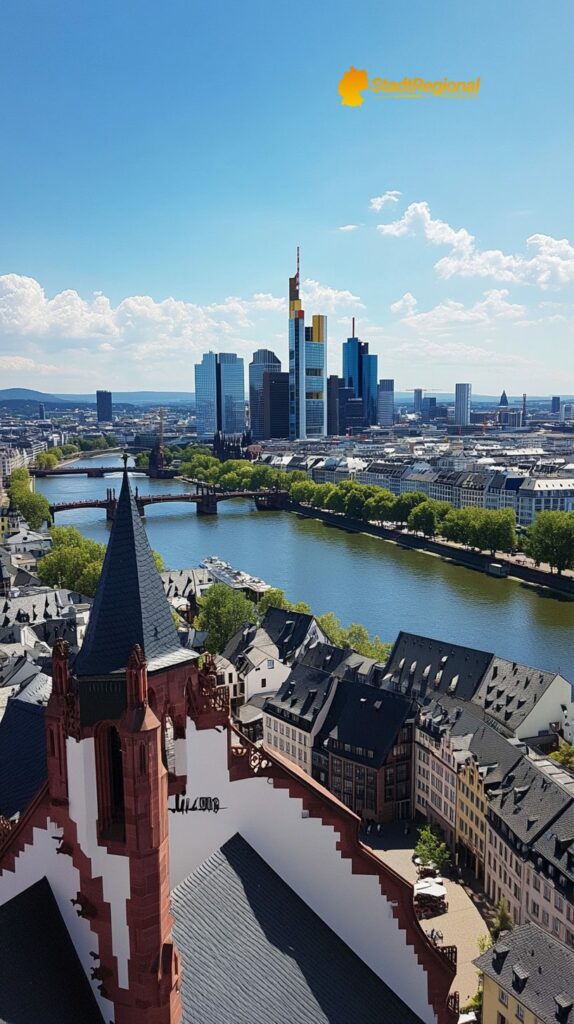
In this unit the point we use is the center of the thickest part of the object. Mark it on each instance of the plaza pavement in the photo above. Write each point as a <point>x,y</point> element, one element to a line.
<point>461,925</point>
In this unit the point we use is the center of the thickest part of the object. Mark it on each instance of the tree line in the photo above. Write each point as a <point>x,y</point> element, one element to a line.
<point>75,561</point>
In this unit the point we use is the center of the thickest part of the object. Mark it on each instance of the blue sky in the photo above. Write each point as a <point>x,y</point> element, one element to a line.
<point>161,161</point>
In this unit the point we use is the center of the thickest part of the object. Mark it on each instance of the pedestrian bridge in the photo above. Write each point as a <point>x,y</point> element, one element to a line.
<point>206,500</point>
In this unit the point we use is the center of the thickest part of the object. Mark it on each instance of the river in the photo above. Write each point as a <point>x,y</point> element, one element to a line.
<point>360,578</point>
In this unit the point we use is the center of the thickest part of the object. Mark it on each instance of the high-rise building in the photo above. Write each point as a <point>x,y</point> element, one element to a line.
<point>503,404</point>
<point>462,404</point>
<point>230,393</point>
<point>104,406</point>
<point>386,403</point>
<point>275,404</point>
<point>263,361</point>
<point>555,406</point>
<point>219,394</point>
<point>307,369</point>
<point>41,411</point>
<point>360,373</point>
<point>418,400</point>
<point>428,408</point>
<point>333,385</point>
<point>206,395</point>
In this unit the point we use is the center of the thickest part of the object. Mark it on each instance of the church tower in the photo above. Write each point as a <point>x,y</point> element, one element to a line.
<point>113,721</point>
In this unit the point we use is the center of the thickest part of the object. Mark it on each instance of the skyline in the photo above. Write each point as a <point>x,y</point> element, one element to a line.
<point>152,207</point>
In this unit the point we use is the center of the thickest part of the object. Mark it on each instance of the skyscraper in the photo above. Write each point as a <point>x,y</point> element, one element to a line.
<point>275,404</point>
<point>104,406</point>
<point>219,394</point>
<point>386,403</point>
<point>206,395</point>
<point>333,385</point>
<point>360,374</point>
<point>462,404</point>
<point>418,400</point>
<point>41,411</point>
<point>555,407</point>
<point>230,393</point>
<point>263,361</point>
<point>307,369</point>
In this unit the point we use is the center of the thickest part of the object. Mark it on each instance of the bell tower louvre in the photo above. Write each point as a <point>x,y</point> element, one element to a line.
<point>175,917</point>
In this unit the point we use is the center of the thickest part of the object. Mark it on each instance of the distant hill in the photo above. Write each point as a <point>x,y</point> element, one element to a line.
<point>27,395</point>
<point>119,397</point>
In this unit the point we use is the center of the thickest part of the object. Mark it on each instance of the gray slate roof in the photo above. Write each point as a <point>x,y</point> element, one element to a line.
<point>130,606</point>
<point>253,952</point>
<point>23,747</point>
<point>528,801</point>
<point>365,717</point>
<point>421,666</point>
<point>509,691</point>
<point>41,978</point>
<point>545,966</point>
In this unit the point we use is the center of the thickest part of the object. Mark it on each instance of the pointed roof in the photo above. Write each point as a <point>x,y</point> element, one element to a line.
<point>503,399</point>
<point>130,606</point>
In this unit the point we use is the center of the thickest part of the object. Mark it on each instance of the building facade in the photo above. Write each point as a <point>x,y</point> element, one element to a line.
<point>307,369</point>
<point>275,405</point>
<point>386,403</point>
<point>219,394</point>
<point>462,394</point>
<point>104,406</point>
<point>264,361</point>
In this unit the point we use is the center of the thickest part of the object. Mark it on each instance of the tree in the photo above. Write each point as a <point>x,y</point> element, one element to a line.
<point>34,507</point>
<point>380,507</point>
<point>405,503</point>
<point>303,491</point>
<point>502,920</point>
<point>423,519</point>
<point>355,503</point>
<point>222,611</point>
<point>336,500</point>
<point>431,849</point>
<point>76,561</point>
<point>551,539</point>
<point>564,756</point>
<point>356,637</point>
<point>322,494</point>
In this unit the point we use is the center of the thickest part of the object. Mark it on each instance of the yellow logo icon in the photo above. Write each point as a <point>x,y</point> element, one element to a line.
<point>352,84</point>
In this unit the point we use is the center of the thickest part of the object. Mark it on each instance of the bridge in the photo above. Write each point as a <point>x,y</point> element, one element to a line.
<point>206,500</point>
<point>99,471</point>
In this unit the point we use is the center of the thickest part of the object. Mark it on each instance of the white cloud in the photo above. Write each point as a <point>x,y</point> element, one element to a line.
<point>548,264</point>
<point>377,202</point>
<point>320,298</point>
<point>458,354</point>
<point>348,227</point>
<point>406,304</point>
<point>21,363</point>
<point>493,307</point>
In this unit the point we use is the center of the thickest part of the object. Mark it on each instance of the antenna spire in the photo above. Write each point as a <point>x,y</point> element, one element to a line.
<point>353,330</point>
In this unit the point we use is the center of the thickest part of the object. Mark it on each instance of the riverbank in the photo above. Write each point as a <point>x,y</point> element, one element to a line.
<point>450,552</point>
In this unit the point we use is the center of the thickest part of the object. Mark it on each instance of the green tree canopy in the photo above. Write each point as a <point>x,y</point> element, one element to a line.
<point>423,518</point>
<point>405,503</point>
<point>431,849</point>
<point>551,539</point>
<point>34,507</point>
<point>222,611</point>
<point>75,561</point>
<point>502,920</point>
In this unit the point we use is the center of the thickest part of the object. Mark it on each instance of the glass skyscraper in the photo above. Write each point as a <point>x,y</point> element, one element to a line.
<point>219,394</point>
<point>462,394</point>
<point>386,403</point>
<point>307,369</point>
<point>263,362</point>
<point>360,374</point>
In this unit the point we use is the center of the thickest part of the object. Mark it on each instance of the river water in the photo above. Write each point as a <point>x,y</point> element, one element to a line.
<point>360,578</point>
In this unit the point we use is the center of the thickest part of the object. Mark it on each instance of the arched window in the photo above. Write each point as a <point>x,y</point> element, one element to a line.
<point>168,744</point>
<point>110,780</point>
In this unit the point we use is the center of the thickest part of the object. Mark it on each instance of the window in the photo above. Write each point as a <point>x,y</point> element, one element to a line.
<point>534,908</point>
<point>275,726</point>
<point>502,997</point>
<point>536,883</point>
<point>557,901</point>
<point>519,1012</point>
<point>546,892</point>
<point>263,683</point>
<point>545,918</point>
<point>270,663</point>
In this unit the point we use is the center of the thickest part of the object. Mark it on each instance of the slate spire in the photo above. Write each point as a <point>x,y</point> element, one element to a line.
<point>130,606</point>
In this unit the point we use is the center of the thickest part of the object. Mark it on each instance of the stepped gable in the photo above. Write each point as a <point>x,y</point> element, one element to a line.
<point>41,978</point>
<point>130,606</point>
<point>241,929</point>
